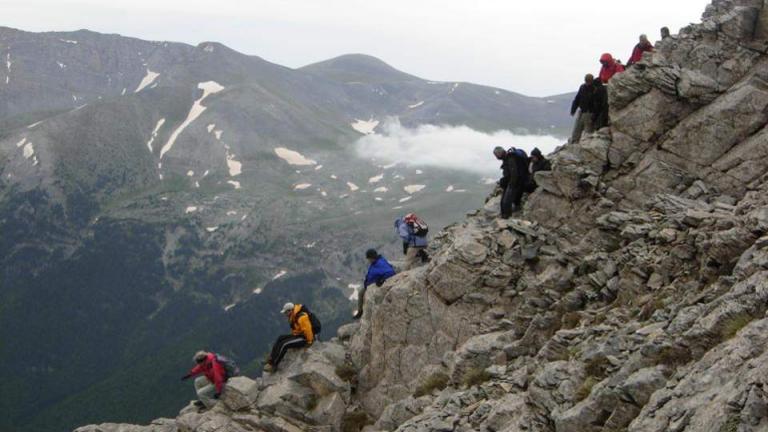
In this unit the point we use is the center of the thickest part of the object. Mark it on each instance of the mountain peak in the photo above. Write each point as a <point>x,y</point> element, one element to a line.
<point>358,68</point>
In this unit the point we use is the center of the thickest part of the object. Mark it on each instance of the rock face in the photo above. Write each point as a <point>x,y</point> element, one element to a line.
<point>631,294</point>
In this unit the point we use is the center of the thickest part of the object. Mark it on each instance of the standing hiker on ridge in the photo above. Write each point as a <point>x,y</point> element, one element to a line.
<point>413,231</point>
<point>584,104</point>
<point>610,68</point>
<point>538,163</point>
<point>600,106</point>
<point>642,47</point>
<point>379,270</point>
<point>514,167</point>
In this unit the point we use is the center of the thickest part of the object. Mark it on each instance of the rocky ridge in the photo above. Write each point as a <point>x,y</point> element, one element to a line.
<point>630,295</point>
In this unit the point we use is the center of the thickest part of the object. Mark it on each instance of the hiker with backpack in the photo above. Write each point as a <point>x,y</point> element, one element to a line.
<point>513,182</point>
<point>304,327</point>
<point>211,373</point>
<point>413,231</point>
<point>537,163</point>
<point>379,270</point>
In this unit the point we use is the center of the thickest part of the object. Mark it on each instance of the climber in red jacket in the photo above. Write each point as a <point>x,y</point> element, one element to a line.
<point>643,46</point>
<point>610,68</point>
<point>211,376</point>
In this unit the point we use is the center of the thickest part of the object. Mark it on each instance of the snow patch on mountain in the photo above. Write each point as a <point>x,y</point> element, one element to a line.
<point>208,88</point>
<point>280,274</point>
<point>148,79</point>
<point>61,65</point>
<point>235,184</point>
<point>449,188</point>
<point>376,179</point>
<point>353,187</point>
<point>69,41</point>
<point>402,200</point>
<point>416,105</point>
<point>8,64</point>
<point>212,229</point>
<point>365,127</point>
<point>381,189</point>
<point>302,186</point>
<point>154,134</point>
<point>190,209</point>
<point>412,189</point>
<point>293,157</point>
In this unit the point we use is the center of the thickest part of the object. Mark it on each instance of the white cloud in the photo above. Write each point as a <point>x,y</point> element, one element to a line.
<point>460,148</point>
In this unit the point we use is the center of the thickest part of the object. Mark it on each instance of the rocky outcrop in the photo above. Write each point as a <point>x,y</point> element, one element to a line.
<point>631,294</point>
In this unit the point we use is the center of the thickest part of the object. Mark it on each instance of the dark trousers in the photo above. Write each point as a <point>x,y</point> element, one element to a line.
<point>510,199</point>
<point>282,345</point>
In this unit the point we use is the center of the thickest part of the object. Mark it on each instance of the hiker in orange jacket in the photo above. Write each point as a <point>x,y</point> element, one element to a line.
<point>301,335</point>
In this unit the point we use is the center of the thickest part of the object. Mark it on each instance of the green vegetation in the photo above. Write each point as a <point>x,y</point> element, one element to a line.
<point>346,372</point>
<point>731,425</point>
<point>355,421</point>
<point>673,355</point>
<point>586,388</point>
<point>436,381</point>
<point>475,376</point>
<point>733,325</point>
<point>597,367</point>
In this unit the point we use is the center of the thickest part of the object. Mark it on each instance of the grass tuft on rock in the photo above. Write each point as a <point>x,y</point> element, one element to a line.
<point>346,372</point>
<point>354,421</point>
<point>475,376</point>
<point>436,381</point>
<point>735,324</point>
<point>586,388</point>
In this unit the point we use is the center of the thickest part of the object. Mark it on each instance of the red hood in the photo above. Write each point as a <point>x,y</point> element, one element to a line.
<point>607,58</point>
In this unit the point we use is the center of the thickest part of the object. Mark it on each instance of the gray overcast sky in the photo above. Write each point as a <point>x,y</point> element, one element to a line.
<point>536,47</point>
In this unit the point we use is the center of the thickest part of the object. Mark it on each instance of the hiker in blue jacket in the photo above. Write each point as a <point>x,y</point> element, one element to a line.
<point>413,231</point>
<point>379,270</point>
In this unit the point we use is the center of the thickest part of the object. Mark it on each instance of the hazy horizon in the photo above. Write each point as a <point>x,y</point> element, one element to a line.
<point>537,49</point>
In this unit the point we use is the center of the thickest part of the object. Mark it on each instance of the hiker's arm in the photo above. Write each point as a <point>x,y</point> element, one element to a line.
<point>195,371</point>
<point>306,327</point>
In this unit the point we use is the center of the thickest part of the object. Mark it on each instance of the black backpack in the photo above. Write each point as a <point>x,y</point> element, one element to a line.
<point>229,365</point>
<point>521,162</point>
<point>317,326</point>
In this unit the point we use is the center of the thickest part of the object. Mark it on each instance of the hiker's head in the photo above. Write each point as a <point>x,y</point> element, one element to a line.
<point>665,32</point>
<point>588,79</point>
<point>287,308</point>
<point>200,357</point>
<point>536,153</point>
<point>644,39</point>
<point>606,59</point>
<point>597,82</point>
<point>499,152</point>
<point>371,255</point>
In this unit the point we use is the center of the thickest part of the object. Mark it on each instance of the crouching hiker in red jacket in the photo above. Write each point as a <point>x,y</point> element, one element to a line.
<point>211,376</point>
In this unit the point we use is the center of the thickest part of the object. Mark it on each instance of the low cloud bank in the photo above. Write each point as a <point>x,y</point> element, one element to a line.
<point>452,147</point>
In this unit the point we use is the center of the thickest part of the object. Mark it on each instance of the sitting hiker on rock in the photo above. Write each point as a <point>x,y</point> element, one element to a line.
<point>302,334</point>
<point>211,372</point>
<point>538,163</point>
<point>379,270</point>
<point>413,231</point>
<point>610,68</point>
<point>642,47</point>
<point>514,167</point>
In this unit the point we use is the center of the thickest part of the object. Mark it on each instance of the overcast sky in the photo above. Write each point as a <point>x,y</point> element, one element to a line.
<point>536,47</point>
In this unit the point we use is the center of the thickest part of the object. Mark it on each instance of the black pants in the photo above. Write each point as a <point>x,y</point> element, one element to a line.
<point>511,197</point>
<point>282,345</point>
